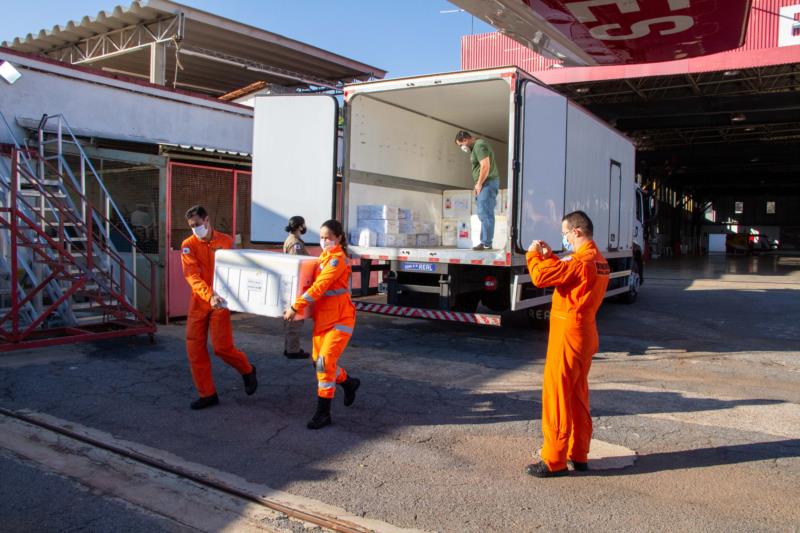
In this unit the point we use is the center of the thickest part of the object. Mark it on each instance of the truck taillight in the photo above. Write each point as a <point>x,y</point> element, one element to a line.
<point>490,283</point>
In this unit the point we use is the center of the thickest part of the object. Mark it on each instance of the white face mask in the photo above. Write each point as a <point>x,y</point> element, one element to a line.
<point>465,148</point>
<point>200,231</point>
<point>326,244</point>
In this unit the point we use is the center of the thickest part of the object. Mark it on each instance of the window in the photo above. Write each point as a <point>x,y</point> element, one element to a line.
<point>770,208</point>
<point>738,207</point>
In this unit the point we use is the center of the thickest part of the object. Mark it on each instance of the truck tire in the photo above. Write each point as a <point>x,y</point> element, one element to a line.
<point>467,302</point>
<point>499,300</point>
<point>633,284</point>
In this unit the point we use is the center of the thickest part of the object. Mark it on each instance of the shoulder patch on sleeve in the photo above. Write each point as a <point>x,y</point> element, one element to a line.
<point>186,251</point>
<point>298,246</point>
<point>567,258</point>
<point>334,263</point>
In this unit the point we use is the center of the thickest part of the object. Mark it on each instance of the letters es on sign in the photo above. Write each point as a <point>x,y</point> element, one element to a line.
<point>640,31</point>
<point>419,267</point>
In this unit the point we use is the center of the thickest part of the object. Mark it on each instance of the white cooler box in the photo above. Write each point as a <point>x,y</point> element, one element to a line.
<point>262,283</point>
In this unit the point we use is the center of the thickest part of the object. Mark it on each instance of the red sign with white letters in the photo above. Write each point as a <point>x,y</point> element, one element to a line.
<point>642,31</point>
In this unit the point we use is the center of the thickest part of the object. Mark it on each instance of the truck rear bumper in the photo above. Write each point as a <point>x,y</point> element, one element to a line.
<point>481,319</point>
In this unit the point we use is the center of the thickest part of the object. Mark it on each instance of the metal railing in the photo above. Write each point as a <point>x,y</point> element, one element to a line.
<point>110,207</point>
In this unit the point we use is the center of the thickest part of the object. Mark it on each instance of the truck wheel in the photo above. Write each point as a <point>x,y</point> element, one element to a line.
<point>467,302</point>
<point>633,285</point>
<point>499,300</point>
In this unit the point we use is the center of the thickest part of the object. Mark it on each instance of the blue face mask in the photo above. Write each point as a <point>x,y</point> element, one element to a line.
<point>565,243</point>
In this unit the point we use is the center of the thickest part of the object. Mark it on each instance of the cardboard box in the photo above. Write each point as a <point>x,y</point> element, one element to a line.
<point>363,237</point>
<point>380,226</point>
<point>377,212</point>
<point>410,226</point>
<point>449,233</point>
<point>389,240</point>
<point>262,283</point>
<point>464,233</point>
<point>457,203</point>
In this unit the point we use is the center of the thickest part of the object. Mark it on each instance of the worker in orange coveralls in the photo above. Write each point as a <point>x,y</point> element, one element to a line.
<point>580,280</point>
<point>334,318</point>
<point>207,311</point>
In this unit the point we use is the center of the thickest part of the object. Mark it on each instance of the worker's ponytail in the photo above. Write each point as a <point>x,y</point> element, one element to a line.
<point>335,227</point>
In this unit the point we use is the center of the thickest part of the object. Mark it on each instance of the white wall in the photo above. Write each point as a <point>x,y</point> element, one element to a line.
<point>385,139</point>
<point>105,107</point>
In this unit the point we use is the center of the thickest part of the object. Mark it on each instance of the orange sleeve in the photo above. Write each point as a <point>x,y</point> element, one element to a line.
<point>552,271</point>
<point>191,271</point>
<point>333,270</point>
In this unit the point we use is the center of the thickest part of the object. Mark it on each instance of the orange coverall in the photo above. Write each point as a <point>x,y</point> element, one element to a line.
<point>334,318</point>
<point>580,282</point>
<point>197,260</point>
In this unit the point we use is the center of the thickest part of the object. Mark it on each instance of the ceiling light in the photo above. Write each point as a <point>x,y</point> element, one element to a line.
<point>8,72</point>
<point>738,117</point>
<point>556,65</point>
<point>730,73</point>
<point>748,130</point>
<point>582,90</point>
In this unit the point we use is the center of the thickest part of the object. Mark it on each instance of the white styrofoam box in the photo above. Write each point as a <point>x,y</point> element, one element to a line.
<point>387,239</point>
<point>380,226</point>
<point>410,226</point>
<point>449,233</point>
<point>464,233</point>
<point>377,212</point>
<point>500,231</point>
<point>363,237</point>
<point>457,203</point>
<point>422,240</point>
<point>260,282</point>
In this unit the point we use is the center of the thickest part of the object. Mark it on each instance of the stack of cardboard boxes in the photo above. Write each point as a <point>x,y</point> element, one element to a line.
<point>388,226</point>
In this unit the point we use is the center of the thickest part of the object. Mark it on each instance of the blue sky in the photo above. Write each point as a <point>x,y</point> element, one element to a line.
<point>404,37</point>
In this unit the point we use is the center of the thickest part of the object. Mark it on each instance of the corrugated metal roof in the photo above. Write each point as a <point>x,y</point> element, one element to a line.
<point>207,32</point>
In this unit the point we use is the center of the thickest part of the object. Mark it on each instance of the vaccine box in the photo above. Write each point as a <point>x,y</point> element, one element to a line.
<point>262,283</point>
<point>457,203</point>
<point>377,212</point>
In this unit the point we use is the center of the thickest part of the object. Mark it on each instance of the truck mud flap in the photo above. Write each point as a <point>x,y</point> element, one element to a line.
<point>429,314</point>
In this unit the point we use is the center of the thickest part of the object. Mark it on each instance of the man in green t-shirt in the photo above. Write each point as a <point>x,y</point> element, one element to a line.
<point>487,183</point>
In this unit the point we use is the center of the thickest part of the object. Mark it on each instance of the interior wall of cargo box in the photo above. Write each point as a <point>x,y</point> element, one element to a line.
<point>410,133</point>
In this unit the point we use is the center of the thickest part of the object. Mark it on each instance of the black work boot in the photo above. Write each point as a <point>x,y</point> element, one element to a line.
<point>540,470</point>
<point>579,466</point>
<point>296,355</point>
<point>350,386</point>
<point>250,381</point>
<point>322,417</point>
<point>205,401</point>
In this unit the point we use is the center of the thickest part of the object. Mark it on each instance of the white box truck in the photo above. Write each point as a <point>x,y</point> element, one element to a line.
<point>554,157</point>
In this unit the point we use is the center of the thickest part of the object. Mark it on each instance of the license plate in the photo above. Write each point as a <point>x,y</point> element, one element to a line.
<point>418,267</point>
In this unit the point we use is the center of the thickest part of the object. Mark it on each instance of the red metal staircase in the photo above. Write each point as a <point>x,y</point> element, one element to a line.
<point>62,279</point>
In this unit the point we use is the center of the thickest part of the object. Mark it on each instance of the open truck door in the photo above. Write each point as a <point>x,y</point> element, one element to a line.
<point>542,148</point>
<point>294,164</point>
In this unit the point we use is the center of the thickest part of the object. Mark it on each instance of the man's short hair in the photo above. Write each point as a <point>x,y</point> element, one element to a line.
<point>462,136</point>
<point>198,210</point>
<point>579,219</point>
